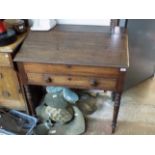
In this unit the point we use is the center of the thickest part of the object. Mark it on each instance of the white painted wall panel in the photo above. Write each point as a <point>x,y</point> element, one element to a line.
<point>101,22</point>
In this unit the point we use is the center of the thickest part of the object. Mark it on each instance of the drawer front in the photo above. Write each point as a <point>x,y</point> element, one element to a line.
<point>5,59</point>
<point>71,70</point>
<point>10,93</point>
<point>72,81</point>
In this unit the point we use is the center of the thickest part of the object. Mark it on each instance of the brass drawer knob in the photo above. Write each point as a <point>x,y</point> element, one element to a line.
<point>69,78</point>
<point>48,79</point>
<point>93,83</point>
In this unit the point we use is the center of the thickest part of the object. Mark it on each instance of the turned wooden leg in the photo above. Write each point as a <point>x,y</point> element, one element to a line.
<point>116,110</point>
<point>29,99</point>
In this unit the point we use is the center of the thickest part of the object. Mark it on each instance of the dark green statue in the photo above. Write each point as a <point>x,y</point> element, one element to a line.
<point>57,109</point>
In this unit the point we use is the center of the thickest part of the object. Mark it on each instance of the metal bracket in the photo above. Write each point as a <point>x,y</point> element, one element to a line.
<point>123,69</point>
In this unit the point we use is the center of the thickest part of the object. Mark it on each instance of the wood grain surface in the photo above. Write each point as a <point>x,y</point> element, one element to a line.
<point>71,70</point>
<point>10,92</point>
<point>77,45</point>
<point>6,60</point>
<point>72,81</point>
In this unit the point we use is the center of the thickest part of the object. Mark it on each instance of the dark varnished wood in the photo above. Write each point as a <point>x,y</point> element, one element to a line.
<point>75,56</point>
<point>71,70</point>
<point>29,99</point>
<point>116,110</point>
<point>72,81</point>
<point>117,98</point>
<point>65,45</point>
<point>22,73</point>
<point>120,81</point>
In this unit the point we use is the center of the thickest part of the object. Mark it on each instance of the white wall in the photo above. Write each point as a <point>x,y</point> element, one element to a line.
<point>84,21</point>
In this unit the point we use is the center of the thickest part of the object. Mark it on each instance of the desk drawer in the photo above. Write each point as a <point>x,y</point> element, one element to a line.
<point>5,59</point>
<point>71,81</point>
<point>71,70</point>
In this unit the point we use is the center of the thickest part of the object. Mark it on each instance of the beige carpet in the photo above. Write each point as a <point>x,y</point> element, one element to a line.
<point>136,116</point>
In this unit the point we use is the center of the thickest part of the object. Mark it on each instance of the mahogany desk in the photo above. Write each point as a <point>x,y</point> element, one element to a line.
<point>85,57</point>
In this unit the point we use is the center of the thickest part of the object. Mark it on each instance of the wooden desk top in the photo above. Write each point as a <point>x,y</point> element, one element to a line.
<point>77,45</point>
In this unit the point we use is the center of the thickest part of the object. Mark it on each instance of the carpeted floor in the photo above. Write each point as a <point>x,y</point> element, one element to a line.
<point>136,116</point>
